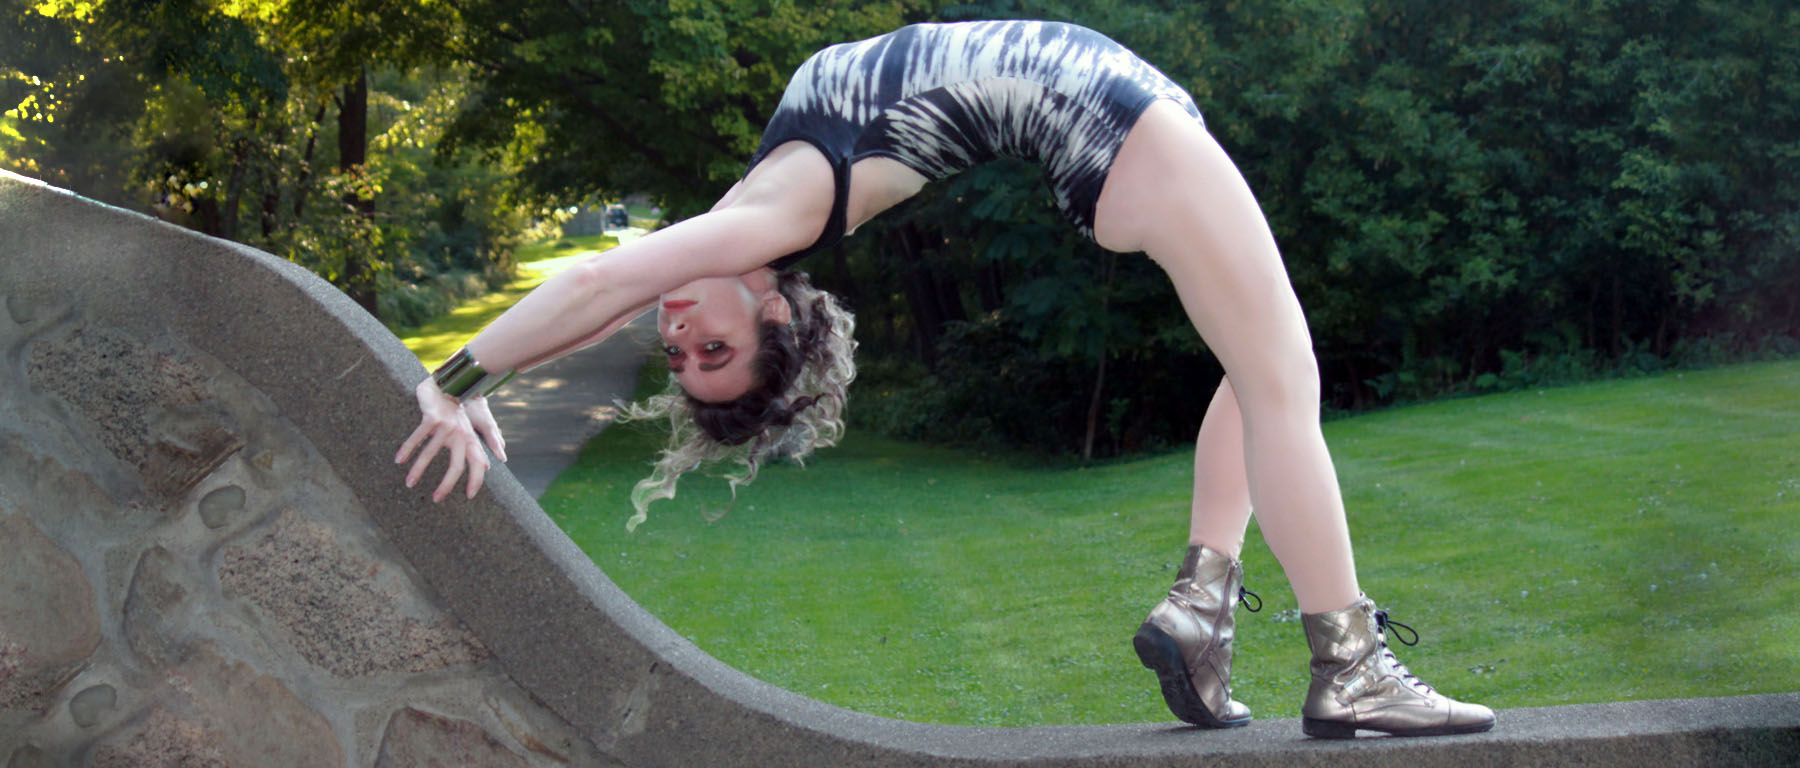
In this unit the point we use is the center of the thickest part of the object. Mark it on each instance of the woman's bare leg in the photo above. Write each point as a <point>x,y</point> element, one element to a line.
<point>1173,193</point>
<point>1221,509</point>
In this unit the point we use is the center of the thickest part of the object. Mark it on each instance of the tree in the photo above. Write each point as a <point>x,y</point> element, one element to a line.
<point>1468,195</point>
<point>666,98</point>
<point>214,114</point>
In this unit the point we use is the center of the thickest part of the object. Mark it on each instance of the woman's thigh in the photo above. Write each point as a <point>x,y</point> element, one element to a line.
<point>1174,193</point>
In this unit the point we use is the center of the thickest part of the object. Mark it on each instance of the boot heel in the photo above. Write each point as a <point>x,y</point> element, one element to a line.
<point>1162,655</point>
<point>1186,640</point>
<point>1158,651</point>
<point>1327,729</point>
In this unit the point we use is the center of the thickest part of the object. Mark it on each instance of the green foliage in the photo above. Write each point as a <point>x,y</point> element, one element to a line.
<point>981,283</point>
<point>663,97</point>
<point>1530,177</point>
<point>214,114</point>
<point>449,327</point>
<point>1469,197</point>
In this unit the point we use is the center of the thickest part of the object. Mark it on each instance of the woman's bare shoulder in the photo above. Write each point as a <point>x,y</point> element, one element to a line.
<point>794,177</point>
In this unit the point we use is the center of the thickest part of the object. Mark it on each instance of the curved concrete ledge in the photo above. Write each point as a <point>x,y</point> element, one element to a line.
<point>633,691</point>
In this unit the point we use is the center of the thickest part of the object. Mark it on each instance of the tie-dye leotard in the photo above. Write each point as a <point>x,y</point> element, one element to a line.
<point>940,98</point>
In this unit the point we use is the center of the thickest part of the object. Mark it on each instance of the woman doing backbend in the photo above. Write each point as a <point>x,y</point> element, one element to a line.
<point>762,359</point>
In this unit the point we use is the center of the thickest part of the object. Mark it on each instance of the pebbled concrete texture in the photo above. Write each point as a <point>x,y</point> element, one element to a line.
<point>178,413</point>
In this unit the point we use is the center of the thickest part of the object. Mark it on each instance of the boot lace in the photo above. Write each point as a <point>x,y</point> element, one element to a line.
<point>1382,623</point>
<point>1243,593</point>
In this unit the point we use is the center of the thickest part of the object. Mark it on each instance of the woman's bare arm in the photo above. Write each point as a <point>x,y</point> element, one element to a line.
<point>780,209</point>
<point>602,293</point>
<point>583,342</point>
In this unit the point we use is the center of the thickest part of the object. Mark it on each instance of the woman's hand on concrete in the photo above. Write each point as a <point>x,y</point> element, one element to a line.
<point>446,424</point>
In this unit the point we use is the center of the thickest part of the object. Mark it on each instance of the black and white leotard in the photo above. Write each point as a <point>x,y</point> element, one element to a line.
<point>940,98</point>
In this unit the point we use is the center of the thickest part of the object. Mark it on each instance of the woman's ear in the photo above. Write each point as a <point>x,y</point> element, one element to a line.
<point>776,309</point>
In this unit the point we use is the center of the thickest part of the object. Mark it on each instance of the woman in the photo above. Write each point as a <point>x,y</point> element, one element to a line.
<point>762,360</point>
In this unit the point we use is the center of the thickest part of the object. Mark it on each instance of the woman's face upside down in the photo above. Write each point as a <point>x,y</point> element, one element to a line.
<point>710,330</point>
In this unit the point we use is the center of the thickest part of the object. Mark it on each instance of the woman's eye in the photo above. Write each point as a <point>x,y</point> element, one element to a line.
<point>672,350</point>
<point>713,346</point>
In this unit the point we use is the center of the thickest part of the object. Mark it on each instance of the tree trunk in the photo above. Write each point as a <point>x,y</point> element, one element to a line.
<point>946,290</point>
<point>269,217</point>
<point>207,209</point>
<point>991,285</point>
<point>1618,315</point>
<point>1093,414</point>
<point>905,249</point>
<point>312,142</point>
<point>353,154</point>
<point>234,187</point>
<point>271,203</point>
<point>353,128</point>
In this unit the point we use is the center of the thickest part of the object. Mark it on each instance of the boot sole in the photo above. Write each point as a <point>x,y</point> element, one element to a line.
<point>1337,729</point>
<point>1158,651</point>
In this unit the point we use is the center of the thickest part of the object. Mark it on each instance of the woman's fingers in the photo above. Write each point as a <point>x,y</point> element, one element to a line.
<point>490,433</point>
<point>494,441</point>
<point>412,442</point>
<point>451,474</point>
<point>483,421</point>
<point>478,467</point>
<point>458,430</point>
<point>424,459</point>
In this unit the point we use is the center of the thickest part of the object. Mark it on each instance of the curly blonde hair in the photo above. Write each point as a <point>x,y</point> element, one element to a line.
<point>803,372</point>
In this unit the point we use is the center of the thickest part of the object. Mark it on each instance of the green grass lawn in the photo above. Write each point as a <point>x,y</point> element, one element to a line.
<point>1622,540</point>
<point>438,339</point>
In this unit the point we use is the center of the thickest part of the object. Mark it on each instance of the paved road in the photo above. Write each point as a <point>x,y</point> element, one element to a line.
<point>547,415</point>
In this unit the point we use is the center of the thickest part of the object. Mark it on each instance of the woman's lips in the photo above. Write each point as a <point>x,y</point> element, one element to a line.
<point>676,305</point>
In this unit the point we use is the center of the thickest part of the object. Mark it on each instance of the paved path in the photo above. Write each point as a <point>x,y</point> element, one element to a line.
<point>547,415</point>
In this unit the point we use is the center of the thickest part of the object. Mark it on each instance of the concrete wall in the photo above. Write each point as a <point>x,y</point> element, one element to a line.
<point>207,557</point>
<point>185,577</point>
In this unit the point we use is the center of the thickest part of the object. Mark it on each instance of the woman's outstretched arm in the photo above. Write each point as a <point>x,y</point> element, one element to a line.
<point>779,209</point>
<point>584,303</point>
<point>617,323</point>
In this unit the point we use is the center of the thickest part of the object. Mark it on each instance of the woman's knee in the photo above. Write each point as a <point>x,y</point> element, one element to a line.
<point>1282,381</point>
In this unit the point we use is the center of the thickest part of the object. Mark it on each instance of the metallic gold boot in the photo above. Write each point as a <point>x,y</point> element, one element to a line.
<point>1187,639</point>
<point>1357,684</point>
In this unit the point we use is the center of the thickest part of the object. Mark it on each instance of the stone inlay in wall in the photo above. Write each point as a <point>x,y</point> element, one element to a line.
<point>336,612</point>
<point>48,624</point>
<point>92,704</point>
<point>413,737</point>
<point>216,508</point>
<point>152,410</point>
<point>163,739</point>
<point>229,710</point>
<point>186,581</point>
